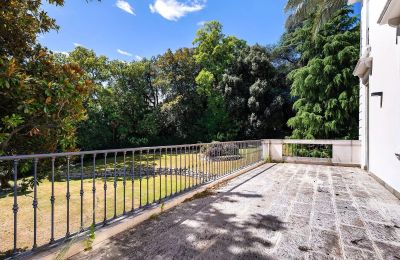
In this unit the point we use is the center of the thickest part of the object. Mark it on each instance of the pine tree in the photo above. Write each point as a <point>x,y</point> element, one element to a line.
<point>325,89</point>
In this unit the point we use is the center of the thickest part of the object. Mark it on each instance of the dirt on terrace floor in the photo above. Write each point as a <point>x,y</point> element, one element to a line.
<point>283,211</point>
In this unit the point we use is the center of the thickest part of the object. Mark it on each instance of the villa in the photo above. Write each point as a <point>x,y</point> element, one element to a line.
<point>379,72</point>
<point>256,199</point>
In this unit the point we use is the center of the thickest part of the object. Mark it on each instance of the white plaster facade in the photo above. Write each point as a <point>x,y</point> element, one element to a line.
<point>379,72</point>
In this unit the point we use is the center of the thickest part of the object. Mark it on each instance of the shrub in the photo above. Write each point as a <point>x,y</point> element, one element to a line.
<point>220,149</point>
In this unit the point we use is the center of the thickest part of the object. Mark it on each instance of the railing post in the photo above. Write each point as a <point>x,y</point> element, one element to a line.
<point>52,201</point>
<point>124,186</point>
<point>133,181</point>
<point>105,190</point>
<point>35,202</point>
<point>81,192</point>
<point>154,175</point>
<point>15,205</point>
<point>170,172</point>
<point>94,190</point>
<point>147,177</point>
<point>115,185</point>
<point>68,196</point>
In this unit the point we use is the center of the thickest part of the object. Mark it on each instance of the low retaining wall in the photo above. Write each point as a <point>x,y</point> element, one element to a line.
<point>344,152</point>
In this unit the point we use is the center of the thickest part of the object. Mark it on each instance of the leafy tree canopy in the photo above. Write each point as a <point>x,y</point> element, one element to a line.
<point>41,98</point>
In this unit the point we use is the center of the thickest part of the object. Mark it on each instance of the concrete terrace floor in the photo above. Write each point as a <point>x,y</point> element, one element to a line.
<point>283,211</point>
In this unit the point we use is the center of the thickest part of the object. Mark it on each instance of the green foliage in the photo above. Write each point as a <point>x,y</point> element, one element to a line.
<point>215,53</point>
<point>320,11</point>
<point>90,238</point>
<point>325,89</point>
<point>41,97</point>
<point>256,94</point>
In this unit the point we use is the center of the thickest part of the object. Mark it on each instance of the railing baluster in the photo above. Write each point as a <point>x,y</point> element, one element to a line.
<point>159,173</point>
<point>215,158</point>
<point>140,178</point>
<point>189,170</point>
<point>170,171</point>
<point>208,162</point>
<point>222,160</point>
<point>194,166</point>
<point>133,181</point>
<point>176,170</point>
<point>124,185</point>
<point>197,165</point>
<point>94,190</point>
<point>81,193</point>
<point>147,176</point>
<point>203,164</point>
<point>15,205</point>
<point>246,148</point>
<point>219,151</point>
<point>115,185</point>
<point>224,155</point>
<point>185,170</point>
<point>214,153</point>
<point>68,196</point>
<point>180,169</point>
<point>105,190</point>
<point>52,201</point>
<point>233,157</point>
<point>154,175</point>
<point>165,173</point>
<point>35,202</point>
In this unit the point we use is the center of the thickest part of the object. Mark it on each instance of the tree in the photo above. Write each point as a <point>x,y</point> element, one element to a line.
<point>256,94</point>
<point>325,89</point>
<point>215,52</point>
<point>41,98</point>
<point>176,73</point>
<point>320,10</point>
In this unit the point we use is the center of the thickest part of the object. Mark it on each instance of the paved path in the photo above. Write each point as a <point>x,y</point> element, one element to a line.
<point>288,211</point>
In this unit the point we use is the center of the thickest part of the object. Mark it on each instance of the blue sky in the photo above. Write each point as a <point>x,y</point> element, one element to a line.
<point>131,29</point>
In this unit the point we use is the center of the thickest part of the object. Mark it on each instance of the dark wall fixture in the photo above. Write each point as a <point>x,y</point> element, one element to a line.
<point>378,94</point>
<point>397,155</point>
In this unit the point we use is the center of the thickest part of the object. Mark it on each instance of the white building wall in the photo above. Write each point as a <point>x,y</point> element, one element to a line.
<point>384,122</point>
<point>363,89</point>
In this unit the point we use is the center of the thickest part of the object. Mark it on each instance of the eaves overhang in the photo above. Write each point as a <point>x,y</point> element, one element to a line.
<point>390,14</point>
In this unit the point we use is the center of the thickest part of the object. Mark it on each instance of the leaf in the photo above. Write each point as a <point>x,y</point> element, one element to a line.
<point>48,100</point>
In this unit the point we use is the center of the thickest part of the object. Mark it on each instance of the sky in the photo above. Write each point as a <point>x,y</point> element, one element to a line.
<point>133,29</point>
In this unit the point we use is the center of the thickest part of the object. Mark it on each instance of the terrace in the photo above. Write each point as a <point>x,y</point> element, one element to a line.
<point>218,200</point>
<point>282,211</point>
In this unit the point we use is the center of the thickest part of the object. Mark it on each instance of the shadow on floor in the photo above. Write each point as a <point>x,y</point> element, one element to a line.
<point>197,229</point>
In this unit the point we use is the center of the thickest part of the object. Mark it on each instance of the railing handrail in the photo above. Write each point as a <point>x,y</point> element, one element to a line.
<point>120,150</point>
<point>314,141</point>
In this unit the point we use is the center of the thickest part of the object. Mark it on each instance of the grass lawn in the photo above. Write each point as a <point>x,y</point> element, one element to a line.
<point>169,184</point>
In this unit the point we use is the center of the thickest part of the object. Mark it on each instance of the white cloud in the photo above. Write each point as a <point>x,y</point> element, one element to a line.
<point>125,6</point>
<point>124,53</point>
<point>138,58</point>
<point>173,10</point>
<point>78,45</point>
